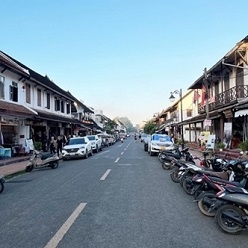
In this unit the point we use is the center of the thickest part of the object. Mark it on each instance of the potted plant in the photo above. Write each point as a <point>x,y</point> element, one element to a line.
<point>220,146</point>
<point>244,146</point>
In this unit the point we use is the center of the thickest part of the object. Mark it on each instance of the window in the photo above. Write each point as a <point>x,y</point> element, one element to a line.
<point>39,97</point>
<point>2,79</point>
<point>189,113</point>
<point>28,93</point>
<point>13,92</point>
<point>68,108</point>
<point>57,104</point>
<point>62,106</point>
<point>48,101</point>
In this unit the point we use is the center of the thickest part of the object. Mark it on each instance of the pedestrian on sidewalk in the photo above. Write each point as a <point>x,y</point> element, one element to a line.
<point>53,145</point>
<point>60,144</point>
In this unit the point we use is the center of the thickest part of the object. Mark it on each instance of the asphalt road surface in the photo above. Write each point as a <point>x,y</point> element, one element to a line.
<point>118,198</point>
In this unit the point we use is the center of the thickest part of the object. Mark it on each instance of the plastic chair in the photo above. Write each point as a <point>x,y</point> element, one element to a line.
<point>2,153</point>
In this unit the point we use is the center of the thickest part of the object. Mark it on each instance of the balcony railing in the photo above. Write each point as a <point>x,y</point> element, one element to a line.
<point>225,98</point>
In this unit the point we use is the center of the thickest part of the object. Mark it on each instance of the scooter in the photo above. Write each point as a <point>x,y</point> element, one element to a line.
<point>1,183</point>
<point>41,160</point>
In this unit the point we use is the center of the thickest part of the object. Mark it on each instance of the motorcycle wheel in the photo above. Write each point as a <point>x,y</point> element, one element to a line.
<point>182,178</point>
<point>54,165</point>
<point>188,186</point>
<point>205,203</point>
<point>166,165</point>
<point>87,154</point>
<point>29,168</point>
<point>197,193</point>
<point>174,175</point>
<point>1,186</point>
<point>225,223</point>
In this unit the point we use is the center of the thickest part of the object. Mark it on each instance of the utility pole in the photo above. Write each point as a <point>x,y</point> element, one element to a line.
<point>205,81</point>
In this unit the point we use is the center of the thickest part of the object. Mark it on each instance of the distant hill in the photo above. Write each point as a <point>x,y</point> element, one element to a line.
<point>127,123</point>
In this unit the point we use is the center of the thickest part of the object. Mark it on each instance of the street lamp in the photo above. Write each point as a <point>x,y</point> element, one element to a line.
<point>172,98</point>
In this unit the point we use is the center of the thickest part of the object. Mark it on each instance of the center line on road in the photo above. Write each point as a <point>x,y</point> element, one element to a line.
<point>122,153</point>
<point>105,175</point>
<point>65,227</point>
<point>117,160</point>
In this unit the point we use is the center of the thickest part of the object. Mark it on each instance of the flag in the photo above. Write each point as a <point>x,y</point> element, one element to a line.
<point>196,96</point>
<point>203,94</point>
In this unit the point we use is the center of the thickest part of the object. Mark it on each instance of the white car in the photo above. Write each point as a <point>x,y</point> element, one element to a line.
<point>96,142</point>
<point>159,142</point>
<point>78,147</point>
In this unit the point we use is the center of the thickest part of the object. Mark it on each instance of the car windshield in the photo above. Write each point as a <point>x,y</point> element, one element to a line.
<point>161,138</point>
<point>91,137</point>
<point>77,141</point>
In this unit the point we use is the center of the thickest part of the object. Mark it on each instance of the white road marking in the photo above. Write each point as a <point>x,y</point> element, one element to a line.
<point>122,153</point>
<point>65,227</point>
<point>117,160</point>
<point>105,175</point>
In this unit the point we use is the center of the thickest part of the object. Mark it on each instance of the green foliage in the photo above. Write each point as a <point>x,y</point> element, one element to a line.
<point>220,145</point>
<point>179,142</point>
<point>110,126</point>
<point>244,145</point>
<point>37,145</point>
<point>150,127</point>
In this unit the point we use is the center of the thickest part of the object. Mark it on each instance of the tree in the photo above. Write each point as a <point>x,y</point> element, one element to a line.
<point>110,126</point>
<point>150,127</point>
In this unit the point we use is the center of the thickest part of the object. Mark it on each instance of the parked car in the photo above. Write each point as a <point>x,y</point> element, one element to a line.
<point>159,142</point>
<point>143,137</point>
<point>96,142</point>
<point>78,147</point>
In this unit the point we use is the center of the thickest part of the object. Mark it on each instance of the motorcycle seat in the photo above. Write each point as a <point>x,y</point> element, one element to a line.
<point>46,155</point>
<point>237,184</point>
<point>223,174</point>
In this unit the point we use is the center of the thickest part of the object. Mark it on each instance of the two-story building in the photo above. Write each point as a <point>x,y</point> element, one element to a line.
<point>220,101</point>
<point>224,91</point>
<point>33,107</point>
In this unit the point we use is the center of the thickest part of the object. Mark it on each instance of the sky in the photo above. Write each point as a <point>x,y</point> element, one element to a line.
<point>123,57</point>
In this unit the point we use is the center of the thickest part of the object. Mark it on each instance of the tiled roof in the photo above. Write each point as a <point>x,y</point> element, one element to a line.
<point>53,117</point>
<point>44,80</point>
<point>9,108</point>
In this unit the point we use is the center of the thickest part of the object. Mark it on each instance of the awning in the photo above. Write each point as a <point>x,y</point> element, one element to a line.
<point>48,116</point>
<point>241,112</point>
<point>17,110</point>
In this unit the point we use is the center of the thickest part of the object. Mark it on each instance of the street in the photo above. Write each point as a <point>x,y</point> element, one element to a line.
<point>118,198</point>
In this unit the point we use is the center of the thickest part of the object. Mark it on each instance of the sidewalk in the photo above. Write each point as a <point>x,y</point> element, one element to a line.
<point>13,165</point>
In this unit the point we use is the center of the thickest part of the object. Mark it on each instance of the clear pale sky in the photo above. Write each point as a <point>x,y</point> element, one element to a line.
<point>122,56</point>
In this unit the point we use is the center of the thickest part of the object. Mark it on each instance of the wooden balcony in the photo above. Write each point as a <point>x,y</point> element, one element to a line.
<point>225,98</point>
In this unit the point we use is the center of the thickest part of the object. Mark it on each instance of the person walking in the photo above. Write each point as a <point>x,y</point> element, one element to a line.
<point>59,145</point>
<point>52,145</point>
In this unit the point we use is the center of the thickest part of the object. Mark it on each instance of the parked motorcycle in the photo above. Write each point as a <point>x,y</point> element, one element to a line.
<point>41,160</point>
<point>167,157</point>
<point>208,186</point>
<point>232,207</point>
<point>206,193</point>
<point>2,181</point>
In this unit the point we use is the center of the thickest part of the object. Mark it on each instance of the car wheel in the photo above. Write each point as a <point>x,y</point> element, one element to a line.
<point>97,149</point>
<point>86,154</point>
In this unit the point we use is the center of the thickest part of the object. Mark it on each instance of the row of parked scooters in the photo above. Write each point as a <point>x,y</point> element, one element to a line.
<point>219,186</point>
